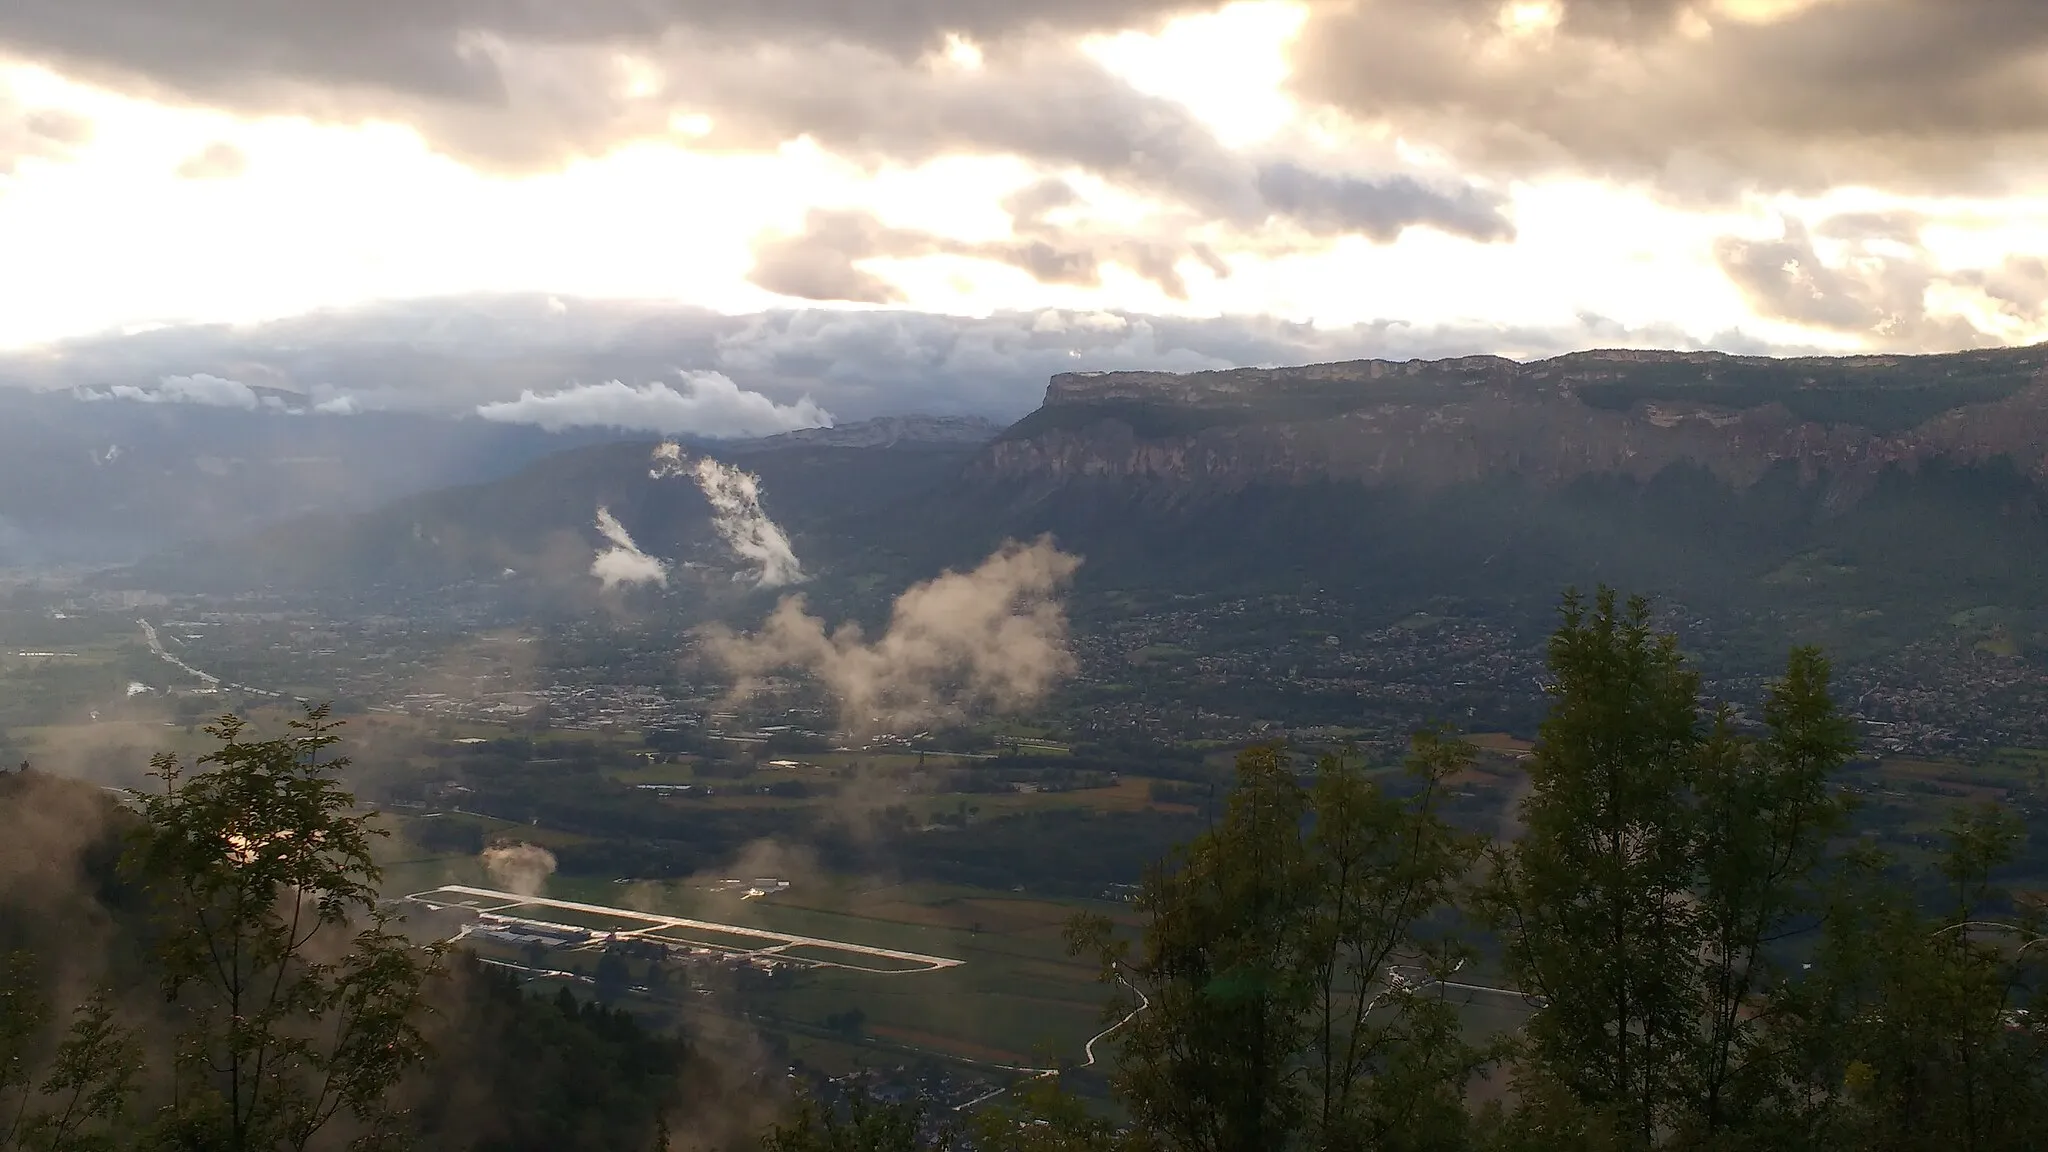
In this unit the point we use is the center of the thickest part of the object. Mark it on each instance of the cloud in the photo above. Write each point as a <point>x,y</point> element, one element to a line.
<point>219,160</point>
<point>1878,282</point>
<point>821,262</point>
<point>736,513</point>
<point>519,867</point>
<point>210,391</point>
<point>708,404</point>
<point>1054,106</point>
<point>504,87</point>
<point>1700,97</point>
<point>993,639</point>
<point>455,354</point>
<point>622,563</point>
<point>37,133</point>
<point>502,82</point>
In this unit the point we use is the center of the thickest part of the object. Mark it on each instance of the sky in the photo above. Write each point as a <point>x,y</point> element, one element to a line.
<point>1520,177</point>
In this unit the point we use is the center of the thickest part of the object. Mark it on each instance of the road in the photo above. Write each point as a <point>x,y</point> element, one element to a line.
<point>1088,1050</point>
<point>156,645</point>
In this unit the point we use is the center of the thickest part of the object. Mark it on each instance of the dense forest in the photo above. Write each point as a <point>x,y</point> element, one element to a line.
<point>1695,950</point>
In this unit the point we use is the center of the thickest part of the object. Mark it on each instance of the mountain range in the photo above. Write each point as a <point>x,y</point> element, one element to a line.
<point>1865,497</point>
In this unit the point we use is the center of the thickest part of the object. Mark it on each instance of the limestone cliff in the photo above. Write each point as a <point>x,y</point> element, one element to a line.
<point>1433,423</point>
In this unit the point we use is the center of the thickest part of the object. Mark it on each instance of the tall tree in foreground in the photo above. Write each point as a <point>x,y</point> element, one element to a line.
<point>1287,966</point>
<point>298,1003</point>
<point>1664,853</point>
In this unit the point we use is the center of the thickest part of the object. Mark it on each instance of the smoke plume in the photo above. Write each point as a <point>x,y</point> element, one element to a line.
<point>993,639</point>
<point>623,562</point>
<point>520,868</point>
<point>735,498</point>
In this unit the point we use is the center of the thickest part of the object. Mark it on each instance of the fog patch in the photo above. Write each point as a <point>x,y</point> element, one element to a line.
<point>519,867</point>
<point>993,639</point>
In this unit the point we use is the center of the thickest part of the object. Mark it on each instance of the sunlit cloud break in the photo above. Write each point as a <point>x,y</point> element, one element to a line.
<point>706,404</point>
<point>736,513</point>
<point>623,563</point>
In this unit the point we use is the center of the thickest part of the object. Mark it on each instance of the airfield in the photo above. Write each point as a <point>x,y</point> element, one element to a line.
<point>513,917</point>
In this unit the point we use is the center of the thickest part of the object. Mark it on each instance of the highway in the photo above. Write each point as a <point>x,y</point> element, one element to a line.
<point>156,645</point>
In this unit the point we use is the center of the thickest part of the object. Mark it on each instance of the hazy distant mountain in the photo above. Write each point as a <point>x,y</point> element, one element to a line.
<point>111,480</point>
<point>885,432</point>
<point>533,534</point>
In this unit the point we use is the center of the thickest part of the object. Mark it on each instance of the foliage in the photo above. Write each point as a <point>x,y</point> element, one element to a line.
<point>860,1124</point>
<point>298,1001</point>
<point>77,1098</point>
<point>535,1074</point>
<point>1287,990</point>
<point>1924,1028</point>
<point>1663,854</point>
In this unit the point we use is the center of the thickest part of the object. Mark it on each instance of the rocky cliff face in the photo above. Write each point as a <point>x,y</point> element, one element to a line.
<point>1436,423</point>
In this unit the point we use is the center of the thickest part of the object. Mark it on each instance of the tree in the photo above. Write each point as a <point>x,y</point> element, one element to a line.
<point>297,1000</point>
<point>1923,1030</point>
<point>75,1100</point>
<point>613,976</point>
<point>1663,855</point>
<point>1044,1117</point>
<point>863,1125</point>
<point>1286,992</point>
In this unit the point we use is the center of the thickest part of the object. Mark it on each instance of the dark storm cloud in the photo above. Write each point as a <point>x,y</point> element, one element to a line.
<point>452,355</point>
<point>1908,94</point>
<point>1875,283</point>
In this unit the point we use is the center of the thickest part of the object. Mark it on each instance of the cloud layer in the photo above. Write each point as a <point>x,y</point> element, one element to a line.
<point>1700,97</point>
<point>200,388</point>
<point>456,354</point>
<point>707,404</point>
<point>1694,94</point>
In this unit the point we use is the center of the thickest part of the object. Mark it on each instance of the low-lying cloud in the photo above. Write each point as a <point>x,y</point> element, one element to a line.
<point>453,354</point>
<point>522,868</point>
<point>736,513</point>
<point>993,639</point>
<point>706,404</point>
<point>621,563</point>
<point>202,388</point>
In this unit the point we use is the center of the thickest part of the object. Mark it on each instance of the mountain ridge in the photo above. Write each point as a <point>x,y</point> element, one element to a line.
<point>1615,411</point>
